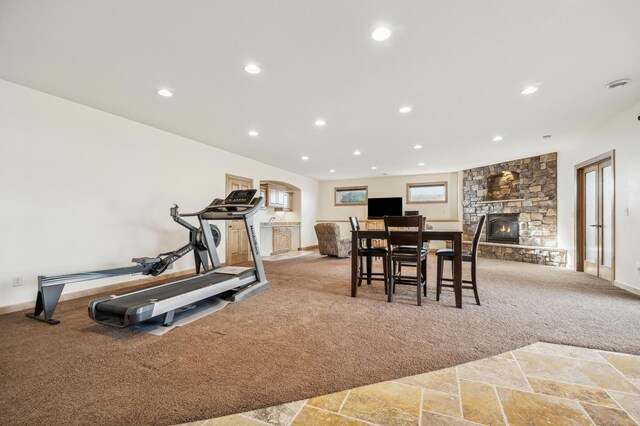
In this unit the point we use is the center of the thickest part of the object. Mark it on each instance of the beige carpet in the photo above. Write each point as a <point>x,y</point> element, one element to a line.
<point>302,338</point>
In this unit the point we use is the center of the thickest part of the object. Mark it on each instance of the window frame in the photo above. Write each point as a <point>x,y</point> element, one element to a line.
<point>417,184</point>
<point>352,188</point>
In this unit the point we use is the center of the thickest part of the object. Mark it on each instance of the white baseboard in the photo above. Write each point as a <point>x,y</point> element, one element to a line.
<point>627,287</point>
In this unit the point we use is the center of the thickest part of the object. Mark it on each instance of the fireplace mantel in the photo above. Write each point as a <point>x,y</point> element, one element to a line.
<point>501,201</point>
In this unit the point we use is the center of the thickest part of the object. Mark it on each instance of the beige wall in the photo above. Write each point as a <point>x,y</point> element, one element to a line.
<point>393,186</point>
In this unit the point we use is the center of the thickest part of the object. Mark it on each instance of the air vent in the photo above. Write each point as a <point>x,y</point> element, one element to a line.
<point>618,83</point>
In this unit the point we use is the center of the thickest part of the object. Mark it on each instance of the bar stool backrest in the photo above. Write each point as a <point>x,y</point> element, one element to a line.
<point>476,236</point>
<point>404,230</point>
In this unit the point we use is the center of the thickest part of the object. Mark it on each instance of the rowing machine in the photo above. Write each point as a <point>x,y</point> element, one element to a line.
<point>50,287</point>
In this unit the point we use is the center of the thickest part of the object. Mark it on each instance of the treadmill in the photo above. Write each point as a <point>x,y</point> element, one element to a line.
<point>237,283</point>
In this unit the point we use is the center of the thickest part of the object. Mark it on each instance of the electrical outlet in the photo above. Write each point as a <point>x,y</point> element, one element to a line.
<point>638,267</point>
<point>17,281</point>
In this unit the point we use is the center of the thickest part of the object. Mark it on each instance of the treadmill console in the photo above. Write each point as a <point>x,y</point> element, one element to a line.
<point>241,196</point>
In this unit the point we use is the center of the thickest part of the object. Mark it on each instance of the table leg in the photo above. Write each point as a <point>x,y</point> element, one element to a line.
<point>369,267</point>
<point>457,269</point>
<point>354,265</point>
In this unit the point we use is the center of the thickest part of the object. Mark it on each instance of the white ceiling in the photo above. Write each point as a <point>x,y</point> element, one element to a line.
<point>460,64</point>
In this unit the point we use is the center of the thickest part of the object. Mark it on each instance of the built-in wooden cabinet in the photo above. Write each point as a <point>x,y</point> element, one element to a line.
<point>263,194</point>
<point>276,196</point>
<point>375,224</point>
<point>281,239</point>
<point>378,225</point>
<point>288,201</point>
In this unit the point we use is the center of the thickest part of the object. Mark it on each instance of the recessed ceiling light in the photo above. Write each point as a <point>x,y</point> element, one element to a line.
<point>420,164</point>
<point>332,171</point>
<point>165,93</point>
<point>305,158</point>
<point>618,83</point>
<point>356,152</point>
<point>497,138</point>
<point>417,147</point>
<point>405,109</point>
<point>252,69</point>
<point>253,133</point>
<point>529,90</point>
<point>381,34</point>
<point>320,123</point>
<point>374,168</point>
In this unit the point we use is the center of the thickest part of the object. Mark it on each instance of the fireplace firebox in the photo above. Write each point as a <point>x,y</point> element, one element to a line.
<point>503,228</point>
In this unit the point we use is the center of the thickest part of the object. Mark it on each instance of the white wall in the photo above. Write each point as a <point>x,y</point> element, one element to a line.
<point>393,186</point>
<point>82,189</point>
<point>622,134</point>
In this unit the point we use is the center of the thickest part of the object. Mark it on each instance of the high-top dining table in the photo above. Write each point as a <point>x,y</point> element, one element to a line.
<point>427,235</point>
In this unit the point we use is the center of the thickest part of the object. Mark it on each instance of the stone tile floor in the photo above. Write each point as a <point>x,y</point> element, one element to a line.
<point>541,384</point>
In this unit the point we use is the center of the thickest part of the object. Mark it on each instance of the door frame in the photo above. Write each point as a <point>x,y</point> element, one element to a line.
<point>227,246</point>
<point>580,224</point>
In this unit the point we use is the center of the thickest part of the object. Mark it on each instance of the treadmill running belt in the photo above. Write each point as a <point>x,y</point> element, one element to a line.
<point>120,304</point>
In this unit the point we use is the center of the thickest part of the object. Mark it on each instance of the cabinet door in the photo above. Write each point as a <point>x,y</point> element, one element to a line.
<point>286,241</point>
<point>375,224</point>
<point>276,196</point>
<point>273,195</point>
<point>281,240</point>
<point>378,225</point>
<point>281,196</point>
<point>286,202</point>
<point>263,194</point>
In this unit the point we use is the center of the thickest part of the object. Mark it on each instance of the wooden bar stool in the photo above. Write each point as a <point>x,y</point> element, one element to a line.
<point>404,243</point>
<point>368,252</point>
<point>467,256</point>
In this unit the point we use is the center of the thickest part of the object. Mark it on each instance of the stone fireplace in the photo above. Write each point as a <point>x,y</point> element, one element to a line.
<point>519,198</point>
<point>503,228</point>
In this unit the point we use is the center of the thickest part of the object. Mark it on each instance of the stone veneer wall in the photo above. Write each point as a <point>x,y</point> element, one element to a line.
<point>533,194</point>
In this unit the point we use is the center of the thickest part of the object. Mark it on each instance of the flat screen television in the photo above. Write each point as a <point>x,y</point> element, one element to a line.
<point>380,207</point>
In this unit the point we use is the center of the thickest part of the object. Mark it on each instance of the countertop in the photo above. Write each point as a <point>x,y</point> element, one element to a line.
<point>277,224</point>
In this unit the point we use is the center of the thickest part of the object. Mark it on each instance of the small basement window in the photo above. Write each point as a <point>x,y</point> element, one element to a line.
<point>430,192</point>
<point>351,196</point>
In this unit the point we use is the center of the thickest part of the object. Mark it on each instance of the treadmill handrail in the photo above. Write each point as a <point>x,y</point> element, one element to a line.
<point>217,208</point>
<point>214,208</point>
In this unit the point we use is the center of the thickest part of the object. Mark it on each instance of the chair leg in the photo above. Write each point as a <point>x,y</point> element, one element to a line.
<point>424,274</point>
<point>474,282</point>
<point>360,272</point>
<point>419,281</point>
<point>452,270</point>
<point>385,273</point>
<point>439,277</point>
<point>393,280</point>
<point>389,281</point>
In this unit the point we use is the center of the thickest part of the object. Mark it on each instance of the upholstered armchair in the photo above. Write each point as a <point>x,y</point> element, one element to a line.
<point>329,241</point>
